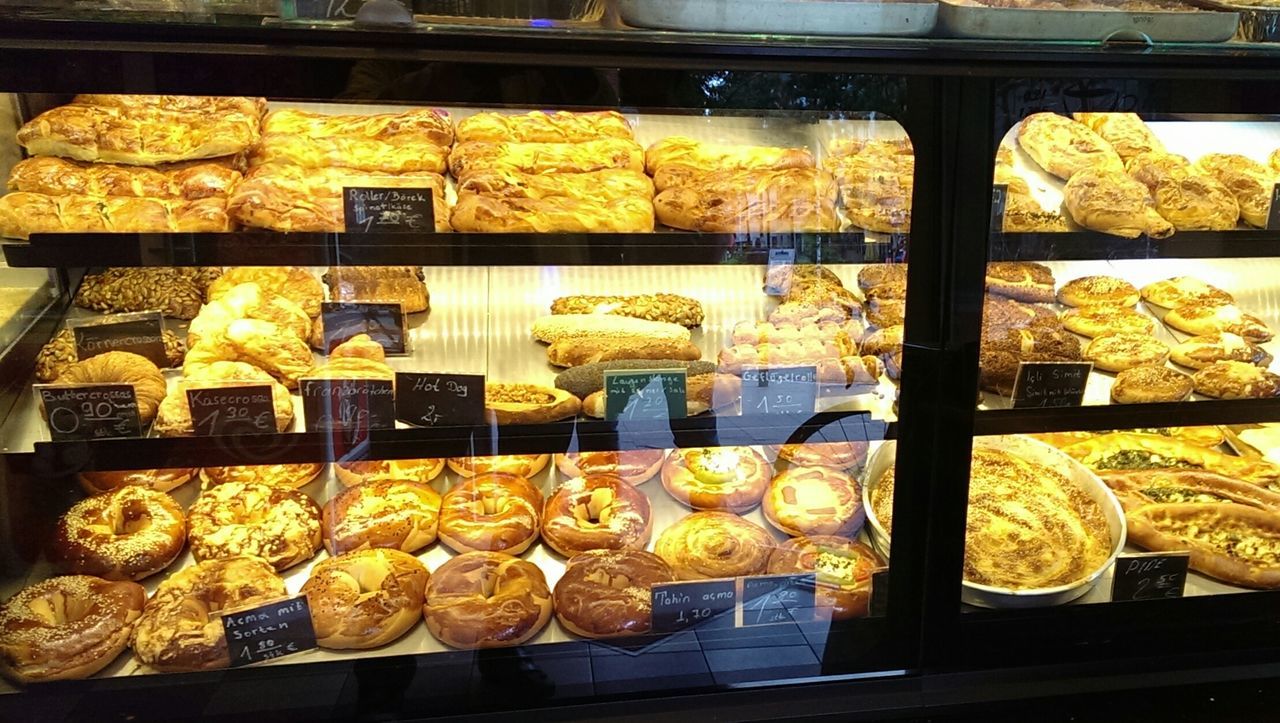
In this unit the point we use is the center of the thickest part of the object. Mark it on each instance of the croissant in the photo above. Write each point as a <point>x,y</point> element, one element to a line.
<point>1064,147</point>
<point>248,301</point>
<point>174,418</point>
<point>1190,201</point>
<point>1107,200</point>
<point>121,367</point>
<point>263,344</point>
<point>292,282</point>
<point>1249,181</point>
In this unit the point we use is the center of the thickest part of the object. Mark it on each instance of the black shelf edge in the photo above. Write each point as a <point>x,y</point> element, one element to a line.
<point>250,248</point>
<point>574,435</point>
<point>1093,246</point>
<point>1125,416</point>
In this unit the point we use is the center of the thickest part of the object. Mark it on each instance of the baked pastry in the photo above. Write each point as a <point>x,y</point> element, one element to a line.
<point>717,478</point>
<point>1128,452</point>
<point>1203,319</point>
<point>832,367</point>
<point>589,350</point>
<point>598,512</point>
<point>675,160</point>
<point>352,473</point>
<point>97,482</point>
<point>174,418</point>
<point>365,599</point>
<point>843,569</point>
<point>1203,436</point>
<point>1231,542</point>
<point>876,190</point>
<point>292,282</point>
<point>60,177</point>
<point>285,476</point>
<point>608,593</point>
<point>1236,380</point>
<point>41,639</point>
<point>559,327</point>
<point>127,534</point>
<point>847,456</point>
<point>176,292</point>
<point>1182,290</point>
<point>779,277</point>
<point>822,294</point>
<point>1109,201</point>
<point>553,214</point>
<point>836,337</point>
<point>1092,321</point>
<point>668,308</point>
<point>181,627</point>
<point>609,184</point>
<point>263,344</point>
<point>706,545</point>
<point>520,465</point>
<point>278,525</point>
<point>251,108</point>
<point>493,512</point>
<point>1199,352</point>
<point>60,353</point>
<point>1126,132</point>
<point>1098,291</point>
<point>248,301</point>
<point>1189,200</point>
<point>470,157</point>
<point>1148,384</point>
<point>1020,280</point>
<point>1249,181</point>
<point>412,127</point>
<point>703,393</point>
<point>286,197</point>
<point>1003,348</point>
<point>1024,214</point>
<point>121,367</point>
<point>1120,351</point>
<point>752,200</point>
<point>874,275</point>
<point>511,403</point>
<point>387,284</point>
<point>23,214</point>
<point>1136,490</point>
<point>814,501</point>
<point>542,127</point>
<point>1064,147</point>
<point>633,466</point>
<point>415,140</point>
<point>486,600</point>
<point>396,514</point>
<point>1275,160</point>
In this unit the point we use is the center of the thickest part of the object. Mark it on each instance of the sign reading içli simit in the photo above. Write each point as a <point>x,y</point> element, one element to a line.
<point>384,323</point>
<point>782,390</point>
<point>1150,576</point>
<point>701,603</point>
<point>645,394</point>
<point>772,599</point>
<point>90,411</point>
<point>269,631</point>
<point>1050,384</point>
<point>367,210</point>
<point>140,333</point>
<point>248,409</point>
<point>433,400</point>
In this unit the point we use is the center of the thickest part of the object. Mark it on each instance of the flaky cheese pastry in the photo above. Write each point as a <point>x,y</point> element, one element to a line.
<point>609,184</point>
<point>248,301</point>
<point>416,127</point>
<point>784,200</point>
<point>22,214</point>
<point>1126,132</point>
<point>295,283</point>
<point>1104,199</point>
<point>202,104</point>
<point>542,127</point>
<point>554,214</point>
<point>677,159</point>
<point>388,284</point>
<point>58,177</point>
<point>1190,201</point>
<point>174,418</point>
<point>1064,147</point>
<point>284,197</point>
<point>1127,452</point>
<point>371,155</point>
<point>1249,181</point>
<point>476,156</point>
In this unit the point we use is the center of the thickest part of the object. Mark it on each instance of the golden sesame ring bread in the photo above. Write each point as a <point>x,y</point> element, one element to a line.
<point>365,599</point>
<point>848,456</point>
<point>843,568</point>
<point>352,473</point>
<point>1123,452</point>
<point>1094,321</point>
<point>127,534</point>
<point>294,283</point>
<point>1120,351</point>
<point>121,367</point>
<point>60,353</point>
<point>1202,319</point>
<point>1234,543</point>
<point>181,627</point>
<point>1098,290</point>
<point>1149,384</point>
<point>705,545</point>
<point>608,593</point>
<point>514,403</point>
<point>97,482</point>
<point>1179,290</point>
<point>280,526</point>
<point>542,127</point>
<point>491,512</point>
<point>520,465</point>
<point>1138,489</point>
<point>66,628</point>
<point>717,478</point>
<point>1024,281</point>
<point>633,466</point>
<point>671,308</point>
<point>1199,352</point>
<point>1236,380</point>
<point>285,476</point>
<point>396,514</point>
<point>597,512</point>
<point>486,600</point>
<point>814,501</point>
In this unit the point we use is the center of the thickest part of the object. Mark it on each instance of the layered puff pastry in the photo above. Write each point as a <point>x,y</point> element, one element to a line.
<point>596,186</point>
<point>292,282</point>
<point>59,176</point>
<point>1064,147</point>
<point>22,214</point>
<point>413,141</point>
<point>542,127</point>
<point>416,127</point>
<point>402,285</point>
<point>287,197</point>
<point>876,188</point>
<point>1189,200</point>
<point>263,344</point>
<point>1126,132</point>
<point>539,158</point>
<point>554,214</point>
<point>752,200</point>
<point>248,301</point>
<point>1250,182</point>
<point>676,160</point>
<point>1105,199</point>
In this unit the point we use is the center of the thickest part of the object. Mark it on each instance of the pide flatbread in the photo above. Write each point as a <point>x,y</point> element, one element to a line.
<point>1199,352</point>
<point>1201,319</point>
<point>1139,489</point>
<point>1096,290</point>
<point>1231,542</point>
<point>1099,320</point>
<point>1178,290</point>
<point>1127,452</point>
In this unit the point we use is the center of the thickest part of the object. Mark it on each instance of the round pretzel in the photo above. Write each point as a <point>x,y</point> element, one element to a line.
<point>127,534</point>
<point>365,599</point>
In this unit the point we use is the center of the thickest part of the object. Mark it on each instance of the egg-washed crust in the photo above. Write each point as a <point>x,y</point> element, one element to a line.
<point>1121,452</point>
<point>1234,543</point>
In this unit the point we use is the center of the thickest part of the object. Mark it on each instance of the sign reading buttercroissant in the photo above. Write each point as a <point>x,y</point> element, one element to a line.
<point>89,411</point>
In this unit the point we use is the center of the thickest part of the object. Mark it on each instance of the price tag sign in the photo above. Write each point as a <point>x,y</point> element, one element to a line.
<point>269,631</point>
<point>1150,576</point>
<point>879,605</point>
<point>140,333</point>
<point>382,210</point>
<point>645,394</point>
<point>778,257</point>
<point>246,409</point>
<point>700,603</point>
<point>1273,221</point>
<point>1050,384</point>
<point>435,400</point>
<point>352,405</point>
<point>90,411</point>
<point>784,390</point>
<point>773,599</point>
<point>999,199</point>
<point>384,323</point>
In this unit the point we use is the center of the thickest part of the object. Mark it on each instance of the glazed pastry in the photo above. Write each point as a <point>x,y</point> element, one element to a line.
<point>352,473</point>
<point>60,177</point>
<point>1107,200</point>
<point>1136,490</point>
<point>415,140</point>
<point>595,187</point>
<point>263,344</point>
<point>553,214</point>
<point>347,616</point>
<point>703,393</point>
<point>559,327</point>
<point>1202,319</point>
<point>396,514</point>
<point>251,108</point>
<point>1093,321</point>
<point>509,403</point>
<point>285,197</point>
<point>848,456</point>
<point>278,525</point>
<point>633,466</point>
<point>1181,290</point>
<point>60,353</point>
<point>1020,280</point>
<point>542,127</point>
<point>1148,384</point>
<point>1189,200</point>
<point>843,569</point>
<point>470,157</point>
<point>22,214</point>
<point>608,593</point>
<point>1098,291</point>
<point>520,465</point>
<point>128,534</point>
<point>1117,352</point>
<point>1249,181</point>
<point>1199,352</point>
<point>706,545</point>
<point>292,282</point>
<point>1126,132</point>
<point>387,284</point>
<point>589,350</point>
<point>493,512</point>
<point>416,126</point>
<point>486,600</point>
<point>717,478</point>
<point>176,292</point>
<point>248,301</point>
<point>814,501</point>
<point>752,200</point>
<point>121,367</point>
<point>161,480</point>
<point>1064,147</point>
<point>285,476</point>
<point>675,160</point>
<point>599,512</point>
<point>1236,380</point>
<point>668,308</point>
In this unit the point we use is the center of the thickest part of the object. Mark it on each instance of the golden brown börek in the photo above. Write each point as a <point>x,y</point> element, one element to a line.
<point>127,534</point>
<point>607,593</point>
<point>395,514</point>
<point>486,600</point>
<point>597,512</point>
<point>365,599</point>
<point>491,512</point>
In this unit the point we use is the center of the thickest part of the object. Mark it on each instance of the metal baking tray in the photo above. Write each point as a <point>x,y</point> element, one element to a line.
<point>783,17</point>
<point>1027,448</point>
<point>976,21</point>
<point>1257,24</point>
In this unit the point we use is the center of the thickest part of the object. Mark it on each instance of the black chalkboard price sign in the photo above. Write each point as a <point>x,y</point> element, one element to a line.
<point>140,333</point>
<point>90,411</point>
<point>999,200</point>
<point>773,599</point>
<point>353,406</point>
<point>246,409</point>
<point>1050,384</point>
<point>437,400</point>
<point>388,210</point>
<point>1273,221</point>
<point>782,390</point>
<point>384,323</point>
<point>269,631</point>
<point>1150,576</point>
<point>644,394</point>
<point>878,606</point>
<point>698,603</point>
